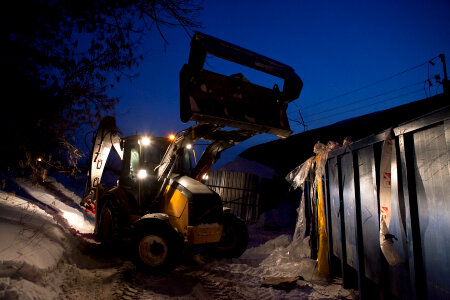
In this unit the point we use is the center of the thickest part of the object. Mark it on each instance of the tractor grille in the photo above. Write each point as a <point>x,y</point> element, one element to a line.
<point>205,209</point>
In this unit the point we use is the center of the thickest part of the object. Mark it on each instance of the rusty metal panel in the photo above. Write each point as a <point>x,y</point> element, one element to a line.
<point>369,213</point>
<point>432,179</point>
<point>349,209</point>
<point>333,181</point>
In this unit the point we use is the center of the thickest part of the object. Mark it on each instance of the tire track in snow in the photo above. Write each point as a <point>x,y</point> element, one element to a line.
<point>124,286</point>
<point>221,281</point>
<point>94,283</point>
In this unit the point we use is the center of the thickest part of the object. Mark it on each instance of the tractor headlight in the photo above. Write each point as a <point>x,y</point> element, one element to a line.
<point>145,141</point>
<point>141,174</point>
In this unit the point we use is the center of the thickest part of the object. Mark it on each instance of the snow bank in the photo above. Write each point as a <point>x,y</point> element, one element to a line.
<point>23,289</point>
<point>36,235</point>
<point>69,209</point>
<point>28,234</point>
<point>31,243</point>
<point>280,257</point>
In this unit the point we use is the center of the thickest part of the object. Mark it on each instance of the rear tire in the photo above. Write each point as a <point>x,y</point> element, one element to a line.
<point>109,224</point>
<point>234,240</point>
<point>158,248</point>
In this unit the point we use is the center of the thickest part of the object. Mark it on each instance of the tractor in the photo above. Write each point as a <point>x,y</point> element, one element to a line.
<point>160,202</point>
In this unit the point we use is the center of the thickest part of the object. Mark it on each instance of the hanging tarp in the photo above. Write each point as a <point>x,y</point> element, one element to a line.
<point>297,178</point>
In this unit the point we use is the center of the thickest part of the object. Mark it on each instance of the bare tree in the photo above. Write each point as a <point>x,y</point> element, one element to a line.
<point>59,58</point>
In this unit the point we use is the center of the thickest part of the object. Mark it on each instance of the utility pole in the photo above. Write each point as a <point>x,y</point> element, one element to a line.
<point>445,82</point>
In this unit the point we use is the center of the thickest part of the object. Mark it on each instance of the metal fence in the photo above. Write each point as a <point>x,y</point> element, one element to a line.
<point>420,212</point>
<point>239,191</point>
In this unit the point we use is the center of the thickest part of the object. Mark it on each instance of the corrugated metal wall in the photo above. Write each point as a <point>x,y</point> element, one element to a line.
<point>239,191</point>
<point>420,212</point>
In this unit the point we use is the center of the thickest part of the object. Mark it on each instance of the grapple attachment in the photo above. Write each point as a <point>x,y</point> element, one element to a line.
<point>209,97</point>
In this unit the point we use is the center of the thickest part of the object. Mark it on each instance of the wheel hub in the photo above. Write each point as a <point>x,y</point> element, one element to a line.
<point>153,250</point>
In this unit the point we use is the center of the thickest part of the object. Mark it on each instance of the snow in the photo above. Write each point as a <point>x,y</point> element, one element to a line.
<point>28,234</point>
<point>74,215</point>
<point>31,244</point>
<point>46,252</point>
<point>240,164</point>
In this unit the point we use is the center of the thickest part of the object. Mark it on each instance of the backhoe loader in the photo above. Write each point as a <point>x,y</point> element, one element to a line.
<point>160,203</point>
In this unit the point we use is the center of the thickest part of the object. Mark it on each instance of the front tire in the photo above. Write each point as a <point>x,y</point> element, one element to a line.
<point>158,249</point>
<point>234,240</point>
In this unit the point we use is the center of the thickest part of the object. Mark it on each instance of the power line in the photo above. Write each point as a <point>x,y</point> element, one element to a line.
<point>367,98</point>
<point>371,84</point>
<point>372,104</point>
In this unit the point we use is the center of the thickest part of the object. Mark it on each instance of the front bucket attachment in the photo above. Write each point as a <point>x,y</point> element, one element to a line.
<point>208,97</point>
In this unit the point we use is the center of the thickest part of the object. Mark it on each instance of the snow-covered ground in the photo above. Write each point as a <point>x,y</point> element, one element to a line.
<point>47,251</point>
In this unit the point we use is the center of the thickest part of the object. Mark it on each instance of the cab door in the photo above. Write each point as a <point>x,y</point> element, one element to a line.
<point>130,165</point>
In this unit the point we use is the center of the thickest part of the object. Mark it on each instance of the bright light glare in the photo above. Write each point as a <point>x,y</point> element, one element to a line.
<point>142,174</point>
<point>73,219</point>
<point>205,176</point>
<point>171,137</point>
<point>189,146</point>
<point>145,141</point>
<point>39,159</point>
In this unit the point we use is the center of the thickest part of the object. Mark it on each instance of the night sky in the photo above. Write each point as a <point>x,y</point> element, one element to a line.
<point>335,47</point>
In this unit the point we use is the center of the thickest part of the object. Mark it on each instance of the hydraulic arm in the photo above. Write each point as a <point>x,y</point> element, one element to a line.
<point>107,136</point>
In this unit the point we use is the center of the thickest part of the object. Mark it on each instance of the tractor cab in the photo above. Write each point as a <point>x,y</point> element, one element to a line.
<point>142,155</point>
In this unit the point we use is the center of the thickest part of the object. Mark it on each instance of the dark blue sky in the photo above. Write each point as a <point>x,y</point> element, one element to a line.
<point>334,46</point>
